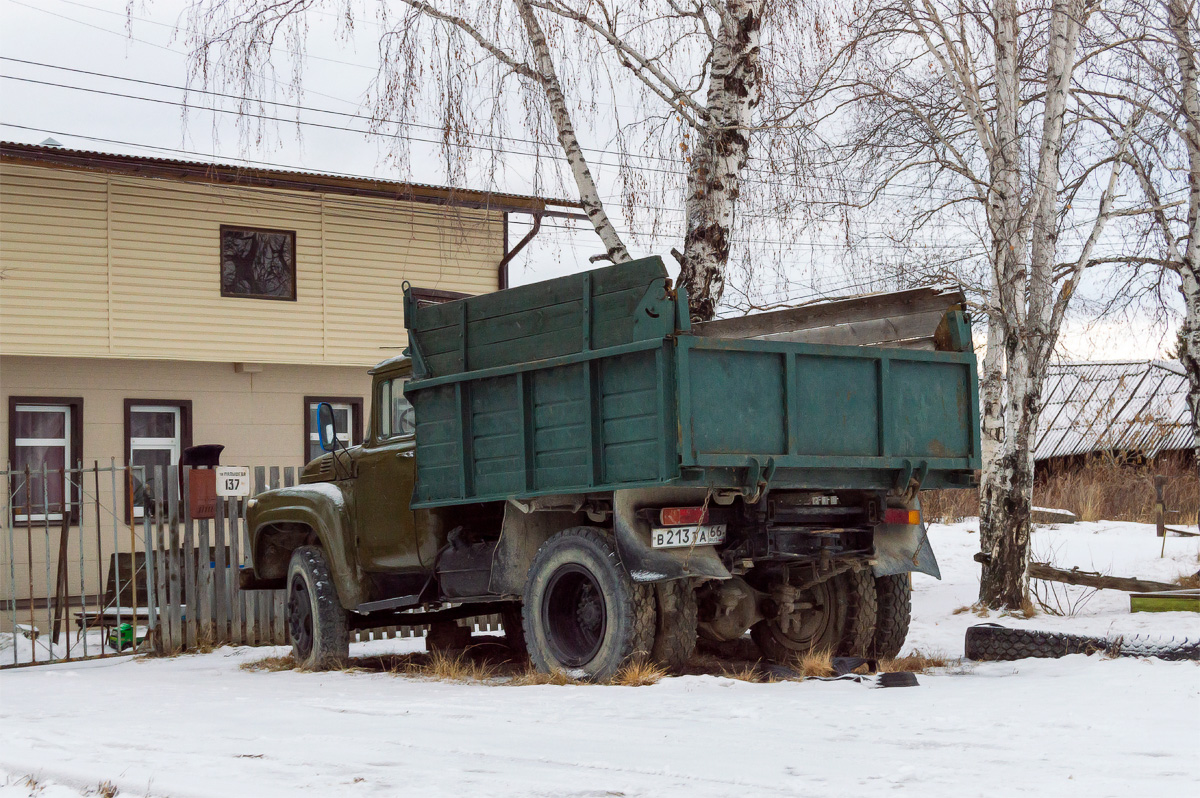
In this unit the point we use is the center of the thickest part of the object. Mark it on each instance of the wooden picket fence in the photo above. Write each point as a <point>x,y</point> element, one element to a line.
<point>194,565</point>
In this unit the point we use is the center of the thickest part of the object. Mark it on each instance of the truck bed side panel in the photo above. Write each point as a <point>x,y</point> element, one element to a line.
<point>813,406</point>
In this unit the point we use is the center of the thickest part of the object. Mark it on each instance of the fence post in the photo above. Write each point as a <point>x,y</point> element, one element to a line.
<point>237,615</point>
<point>220,595</point>
<point>189,560</point>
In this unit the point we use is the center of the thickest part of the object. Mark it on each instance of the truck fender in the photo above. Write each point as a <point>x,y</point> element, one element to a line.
<point>648,564</point>
<point>322,507</point>
<point>521,535</point>
<point>901,548</point>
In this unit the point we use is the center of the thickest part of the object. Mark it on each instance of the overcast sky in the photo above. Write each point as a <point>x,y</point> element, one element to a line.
<point>83,111</point>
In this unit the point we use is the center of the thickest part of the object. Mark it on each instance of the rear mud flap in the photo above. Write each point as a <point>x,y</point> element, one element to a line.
<point>901,548</point>
<point>648,564</point>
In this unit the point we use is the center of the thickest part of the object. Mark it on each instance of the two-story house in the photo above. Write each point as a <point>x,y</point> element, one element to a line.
<point>148,304</point>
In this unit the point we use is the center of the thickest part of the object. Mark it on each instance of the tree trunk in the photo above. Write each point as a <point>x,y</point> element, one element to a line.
<point>720,155</point>
<point>589,195</point>
<point>1189,94</point>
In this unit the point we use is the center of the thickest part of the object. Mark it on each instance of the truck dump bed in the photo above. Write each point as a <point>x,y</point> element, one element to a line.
<point>596,382</point>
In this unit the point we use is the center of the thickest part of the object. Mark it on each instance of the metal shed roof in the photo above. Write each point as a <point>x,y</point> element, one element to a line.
<point>1105,406</point>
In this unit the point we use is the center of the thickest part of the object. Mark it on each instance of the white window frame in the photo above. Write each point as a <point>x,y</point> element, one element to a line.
<point>345,436</point>
<point>64,442</point>
<point>143,444</point>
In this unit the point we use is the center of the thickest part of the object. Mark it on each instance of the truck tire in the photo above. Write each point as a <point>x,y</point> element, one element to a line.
<point>821,628</point>
<point>988,641</point>
<point>894,613</point>
<point>858,633</point>
<point>514,631</point>
<point>318,627</point>
<point>583,615</point>
<point>676,623</point>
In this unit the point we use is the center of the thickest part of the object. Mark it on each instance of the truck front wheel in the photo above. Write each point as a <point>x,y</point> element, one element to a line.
<point>583,615</point>
<point>318,627</point>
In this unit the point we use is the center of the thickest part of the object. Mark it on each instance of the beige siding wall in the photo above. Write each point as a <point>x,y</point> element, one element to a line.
<point>108,266</point>
<point>258,417</point>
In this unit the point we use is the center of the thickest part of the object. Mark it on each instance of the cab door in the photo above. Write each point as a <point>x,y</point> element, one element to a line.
<point>388,539</point>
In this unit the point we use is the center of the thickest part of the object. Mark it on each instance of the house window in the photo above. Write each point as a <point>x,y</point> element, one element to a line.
<point>45,437</point>
<point>258,264</point>
<point>347,411</point>
<point>156,433</point>
<point>396,416</point>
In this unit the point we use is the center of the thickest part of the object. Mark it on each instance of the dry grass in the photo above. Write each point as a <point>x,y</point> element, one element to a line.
<point>639,673</point>
<point>106,789</point>
<point>270,664</point>
<point>744,673</point>
<point>916,662</point>
<point>1191,582</point>
<point>1099,488</point>
<point>816,663</point>
<point>531,677</point>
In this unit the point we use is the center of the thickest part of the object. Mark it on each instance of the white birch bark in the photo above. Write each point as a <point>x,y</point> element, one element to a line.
<point>720,155</point>
<point>1189,271</point>
<point>589,195</point>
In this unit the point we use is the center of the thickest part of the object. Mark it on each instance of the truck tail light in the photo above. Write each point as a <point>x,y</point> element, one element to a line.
<point>682,516</point>
<point>896,516</point>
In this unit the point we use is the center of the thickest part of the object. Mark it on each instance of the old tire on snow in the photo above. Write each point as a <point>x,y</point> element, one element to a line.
<point>819,629</point>
<point>858,633</point>
<point>318,627</point>
<point>676,622</point>
<point>583,615</point>
<point>893,614</point>
<point>988,641</point>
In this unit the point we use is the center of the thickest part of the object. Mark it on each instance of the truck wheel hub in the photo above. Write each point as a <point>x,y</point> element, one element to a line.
<point>574,616</point>
<point>299,613</point>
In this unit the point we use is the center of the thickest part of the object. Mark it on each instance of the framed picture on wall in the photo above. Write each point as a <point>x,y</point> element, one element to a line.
<point>257,263</point>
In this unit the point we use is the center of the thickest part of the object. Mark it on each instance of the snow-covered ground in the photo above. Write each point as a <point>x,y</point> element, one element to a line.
<point>200,726</point>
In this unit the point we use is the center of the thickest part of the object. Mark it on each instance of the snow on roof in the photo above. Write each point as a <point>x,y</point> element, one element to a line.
<point>1116,405</point>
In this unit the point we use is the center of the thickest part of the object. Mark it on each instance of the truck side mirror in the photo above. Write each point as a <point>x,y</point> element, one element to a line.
<point>327,431</point>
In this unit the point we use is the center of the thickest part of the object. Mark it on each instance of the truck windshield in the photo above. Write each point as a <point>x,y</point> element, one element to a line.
<point>396,417</point>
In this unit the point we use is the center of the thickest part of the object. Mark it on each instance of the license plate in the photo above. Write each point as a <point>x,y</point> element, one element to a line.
<point>670,537</point>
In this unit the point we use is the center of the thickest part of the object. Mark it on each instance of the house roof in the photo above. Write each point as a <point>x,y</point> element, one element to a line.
<point>1116,405</point>
<point>324,182</point>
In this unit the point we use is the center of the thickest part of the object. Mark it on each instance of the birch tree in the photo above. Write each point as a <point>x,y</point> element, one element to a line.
<point>977,101</point>
<point>696,75</point>
<point>1162,64</point>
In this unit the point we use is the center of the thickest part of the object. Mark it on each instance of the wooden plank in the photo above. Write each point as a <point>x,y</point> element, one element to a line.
<point>174,576</point>
<point>204,581</point>
<point>237,615</point>
<point>280,611</point>
<point>917,327</point>
<point>161,563</point>
<point>220,593</point>
<point>189,564</point>
<point>264,601</point>
<point>1038,570</point>
<point>835,312</point>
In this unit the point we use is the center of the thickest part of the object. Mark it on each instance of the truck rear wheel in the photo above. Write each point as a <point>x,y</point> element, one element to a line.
<point>676,622</point>
<point>318,627</point>
<point>894,595</point>
<point>817,628</point>
<point>583,615</point>
<point>858,635</point>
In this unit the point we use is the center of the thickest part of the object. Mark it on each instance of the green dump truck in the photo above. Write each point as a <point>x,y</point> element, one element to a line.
<point>614,481</point>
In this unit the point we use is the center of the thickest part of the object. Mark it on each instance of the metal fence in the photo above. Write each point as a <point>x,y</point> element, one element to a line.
<point>63,529</point>
<point>127,567</point>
